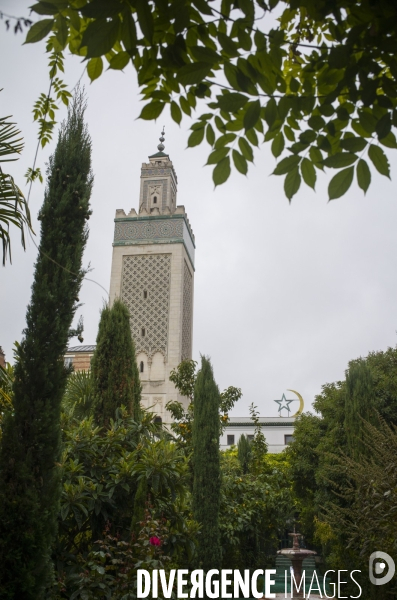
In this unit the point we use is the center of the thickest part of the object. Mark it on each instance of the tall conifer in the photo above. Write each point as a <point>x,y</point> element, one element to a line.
<point>206,467</point>
<point>114,369</point>
<point>29,475</point>
<point>359,405</point>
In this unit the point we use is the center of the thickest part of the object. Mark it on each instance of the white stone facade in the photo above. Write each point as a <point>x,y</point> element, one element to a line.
<point>277,431</point>
<point>153,273</point>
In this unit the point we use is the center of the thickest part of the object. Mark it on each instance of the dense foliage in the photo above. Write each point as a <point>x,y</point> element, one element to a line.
<point>115,374</point>
<point>30,451</point>
<point>101,472</point>
<point>320,83</point>
<point>184,378</point>
<point>343,466</point>
<point>256,508</point>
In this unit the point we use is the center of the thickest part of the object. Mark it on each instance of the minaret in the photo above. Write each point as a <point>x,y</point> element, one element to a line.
<point>153,273</point>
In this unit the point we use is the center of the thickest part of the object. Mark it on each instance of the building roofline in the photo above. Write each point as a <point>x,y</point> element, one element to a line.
<point>87,348</point>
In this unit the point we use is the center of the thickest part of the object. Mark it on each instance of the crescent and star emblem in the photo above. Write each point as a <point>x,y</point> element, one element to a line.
<point>284,403</point>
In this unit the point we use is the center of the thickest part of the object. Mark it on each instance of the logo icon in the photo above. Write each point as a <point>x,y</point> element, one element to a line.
<point>377,566</point>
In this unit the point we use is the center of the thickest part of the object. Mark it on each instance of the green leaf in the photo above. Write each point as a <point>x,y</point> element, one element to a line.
<point>185,106</point>
<point>383,126</point>
<point>210,134</point>
<point>232,101</point>
<point>45,8</point>
<point>389,141</point>
<point>292,183</point>
<point>39,30</point>
<point>379,160</point>
<point>63,31</point>
<point>196,137</point>
<point>204,54</point>
<point>119,61</point>
<point>101,9</point>
<point>229,47</point>
<point>152,110</point>
<point>217,155</point>
<point>353,144</point>
<point>203,7</point>
<point>219,124</point>
<point>308,136</point>
<point>363,175</point>
<point>222,171</point>
<point>308,173</point>
<point>193,73</point>
<point>252,114</point>
<point>235,125</point>
<point>271,112</point>
<point>359,129</point>
<point>316,157</point>
<point>316,122</point>
<point>246,149</point>
<point>252,137</point>
<point>225,139</point>
<point>289,134</point>
<point>128,32</point>
<point>176,113</point>
<point>278,145</point>
<point>286,165</point>
<point>339,160</point>
<point>95,68</point>
<point>100,37</point>
<point>340,183</point>
<point>145,18</point>
<point>239,162</point>
<point>367,121</point>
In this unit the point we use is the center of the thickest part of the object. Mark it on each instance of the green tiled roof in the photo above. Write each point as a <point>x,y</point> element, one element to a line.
<point>159,155</point>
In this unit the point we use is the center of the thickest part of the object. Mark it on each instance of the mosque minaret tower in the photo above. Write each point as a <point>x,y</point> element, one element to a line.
<point>153,273</point>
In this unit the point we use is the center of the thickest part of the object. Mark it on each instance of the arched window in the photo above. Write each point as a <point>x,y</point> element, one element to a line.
<point>155,200</point>
<point>143,332</point>
<point>141,366</point>
<point>158,420</point>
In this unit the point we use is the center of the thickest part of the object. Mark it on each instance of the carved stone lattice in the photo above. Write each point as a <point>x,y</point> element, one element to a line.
<point>187,313</point>
<point>146,192</point>
<point>145,289</point>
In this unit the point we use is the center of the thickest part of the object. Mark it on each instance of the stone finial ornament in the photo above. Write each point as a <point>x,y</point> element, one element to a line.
<point>161,146</point>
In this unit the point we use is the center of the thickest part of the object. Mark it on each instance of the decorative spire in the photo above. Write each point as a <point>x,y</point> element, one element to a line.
<point>161,146</point>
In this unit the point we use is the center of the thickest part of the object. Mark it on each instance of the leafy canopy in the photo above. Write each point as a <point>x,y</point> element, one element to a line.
<point>321,85</point>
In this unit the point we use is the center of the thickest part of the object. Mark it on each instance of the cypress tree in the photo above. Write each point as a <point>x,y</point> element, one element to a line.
<point>29,475</point>
<point>114,369</point>
<point>206,466</point>
<point>244,453</point>
<point>359,405</point>
<point>140,501</point>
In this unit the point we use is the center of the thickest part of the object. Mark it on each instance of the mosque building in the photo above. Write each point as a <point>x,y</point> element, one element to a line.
<point>153,273</point>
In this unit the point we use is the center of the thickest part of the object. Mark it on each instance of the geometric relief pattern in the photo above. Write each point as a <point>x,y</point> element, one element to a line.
<point>145,289</point>
<point>147,172</point>
<point>148,230</point>
<point>187,314</point>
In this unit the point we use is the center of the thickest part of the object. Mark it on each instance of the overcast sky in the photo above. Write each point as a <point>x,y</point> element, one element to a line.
<point>285,295</point>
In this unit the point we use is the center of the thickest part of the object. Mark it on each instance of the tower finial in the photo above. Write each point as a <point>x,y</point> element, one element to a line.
<point>161,146</point>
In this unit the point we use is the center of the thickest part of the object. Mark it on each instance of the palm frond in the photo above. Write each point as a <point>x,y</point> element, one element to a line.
<point>10,143</point>
<point>14,209</point>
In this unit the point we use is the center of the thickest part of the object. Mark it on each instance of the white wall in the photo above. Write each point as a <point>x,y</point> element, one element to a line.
<point>273,428</point>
